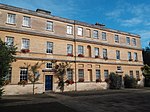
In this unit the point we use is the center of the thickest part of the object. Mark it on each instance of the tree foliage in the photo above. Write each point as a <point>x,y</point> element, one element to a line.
<point>146,73</point>
<point>115,81</point>
<point>33,73</point>
<point>6,58</point>
<point>146,70</point>
<point>60,70</point>
<point>146,55</point>
<point>130,82</point>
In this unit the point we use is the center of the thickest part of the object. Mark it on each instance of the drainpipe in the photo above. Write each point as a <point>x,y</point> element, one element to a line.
<point>75,57</point>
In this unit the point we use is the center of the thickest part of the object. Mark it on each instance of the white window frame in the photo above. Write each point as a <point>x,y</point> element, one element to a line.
<point>117,38</point>
<point>49,25</point>
<point>80,49</point>
<point>131,73</point>
<point>70,74</point>
<point>104,53</point>
<point>11,18</point>
<point>49,47</point>
<point>129,55</point>
<point>128,40</point>
<point>96,49</point>
<point>81,73</point>
<point>134,41</point>
<point>26,21</point>
<point>25,43</point>
<point>80,31</point>
<point>69,49</point>
<point>95,34</point>
<point>106,74</point>
<point>9,40</point>
<point>69,29</point>
<point>104,36</point>
<point>117,54</point>
<point>98,74</point>
<point>135,56</point>
<point>119,68</point>
<point>49,65</point>
<point>23,74</point>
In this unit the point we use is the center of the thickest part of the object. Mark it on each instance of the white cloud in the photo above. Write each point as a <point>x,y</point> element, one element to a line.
<point>115,13</point>
<point>131,22</point>
<point>130,15</point>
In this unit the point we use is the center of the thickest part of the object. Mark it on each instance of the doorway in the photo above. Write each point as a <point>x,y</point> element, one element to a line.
<point>90,75</point>
<point>48,82</point>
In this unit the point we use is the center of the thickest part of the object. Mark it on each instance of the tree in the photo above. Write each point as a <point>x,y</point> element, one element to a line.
<point>60,70</point>
<point>129,82</point>
<point>33,73</point>
<point>146,73</point>
<point>146,55</point>
<point>7,53</point>
<point>115,81</point>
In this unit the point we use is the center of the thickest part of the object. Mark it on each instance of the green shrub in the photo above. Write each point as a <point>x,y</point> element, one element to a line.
<point>115,81</point>
<point>130,82</point>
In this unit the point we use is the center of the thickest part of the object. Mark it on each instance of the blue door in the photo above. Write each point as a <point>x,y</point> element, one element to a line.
<point>48,82</point>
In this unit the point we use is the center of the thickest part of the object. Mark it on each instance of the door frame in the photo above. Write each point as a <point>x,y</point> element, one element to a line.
<point>51,88</point>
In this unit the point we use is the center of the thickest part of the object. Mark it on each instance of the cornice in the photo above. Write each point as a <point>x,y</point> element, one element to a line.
<point>2,28</point>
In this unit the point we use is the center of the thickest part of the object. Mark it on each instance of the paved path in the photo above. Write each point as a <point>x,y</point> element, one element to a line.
<point>137,100</point>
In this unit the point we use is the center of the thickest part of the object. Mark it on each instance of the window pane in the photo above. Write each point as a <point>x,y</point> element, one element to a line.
<point>69,29</point>
<point>9,41</point>
<point>49,26</point>
<point>26,21</point>
<point>135,56</point>
<point>49,47</point>
<point>128,40</point>
<point>69,49</point>
<point>80,49</point>
<point>106,74</point>
<point>49,65</point>
<point>104,52</point>
<point>98,74</point>
<point>11,18</point>
<point>134,41</point>
<point>70,74</point>
<point>25,43</point>
<point>117,38</point>
<point>131,74</point>
<point>117,54</point>
<point>129,55</point>
<point>96,51</point>
<point>80,31</point>
<point>119,68</point>
<point>103,36</point>
<point>23,74</point>
<point>81,73</point>
<point>95,34</point>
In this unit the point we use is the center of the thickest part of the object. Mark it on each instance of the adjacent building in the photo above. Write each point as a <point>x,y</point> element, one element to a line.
<point>93,50</point>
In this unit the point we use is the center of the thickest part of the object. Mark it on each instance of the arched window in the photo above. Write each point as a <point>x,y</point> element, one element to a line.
<point>89,51</point>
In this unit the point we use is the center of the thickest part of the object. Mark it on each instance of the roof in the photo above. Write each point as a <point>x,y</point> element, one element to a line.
<point>49,16</point>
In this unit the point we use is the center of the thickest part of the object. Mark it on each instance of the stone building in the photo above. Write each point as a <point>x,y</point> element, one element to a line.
<point>92,49</point>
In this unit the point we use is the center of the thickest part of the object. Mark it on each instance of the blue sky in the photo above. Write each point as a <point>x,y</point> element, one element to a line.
<point>126,15</point>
